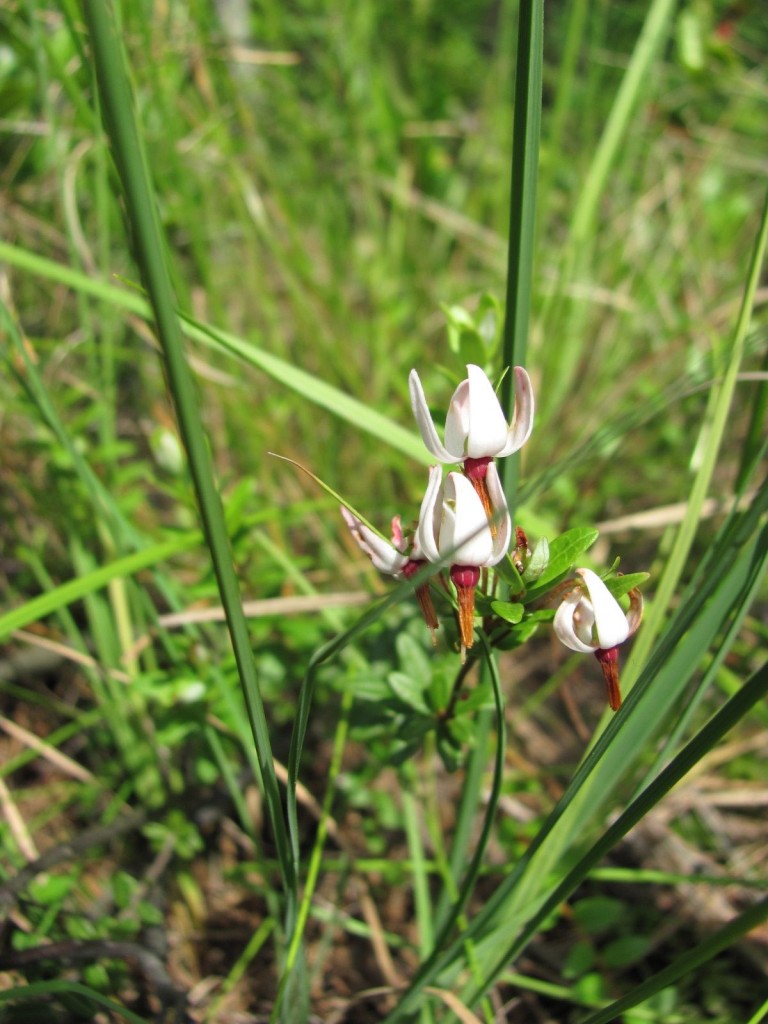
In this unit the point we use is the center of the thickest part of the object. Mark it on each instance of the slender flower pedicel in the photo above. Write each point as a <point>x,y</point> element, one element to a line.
<point>591,620</point>
<point>454,524</point>
<point>394,559</point>
<point>476,429</point>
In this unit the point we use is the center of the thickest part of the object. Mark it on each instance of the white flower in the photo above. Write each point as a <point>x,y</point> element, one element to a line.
<point>387,558</point>
<point>591,620</point>
<point>454,524</point>
<point>475,427</point>
<point>394,559</point>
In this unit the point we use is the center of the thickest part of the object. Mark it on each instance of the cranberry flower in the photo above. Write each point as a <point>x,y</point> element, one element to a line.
<point>476,429</point>
<point>454,524</point>
<point>394,559</point>
<point>591,620</point>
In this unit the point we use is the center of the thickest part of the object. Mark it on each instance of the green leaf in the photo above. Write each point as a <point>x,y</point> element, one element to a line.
<point>508,610</point>
<point>409,690</point>
<point>522,632</point>
<point>621,585</point>
<point>580,958</point>
<point>413,658</point>
<point>690,40</point>
<point>51,888</point>
<point>507,572</point>
<point>123,888</point>
<point>625,950</point>
<point>538,561</point>
<point>451,753</point>
<point>563,552</point>
<point>598,913</point>
<point>471,348</point>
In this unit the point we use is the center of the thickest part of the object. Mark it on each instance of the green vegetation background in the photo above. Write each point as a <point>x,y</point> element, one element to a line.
<point>328,177</point>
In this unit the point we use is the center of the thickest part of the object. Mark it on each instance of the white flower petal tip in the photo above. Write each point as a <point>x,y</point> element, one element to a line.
<point>573,621</point>
<point>590,618</point>
<point>465,533</point>
<point>475,427</point>
<point>522,421</point>
<point>429,517</point>
<point>611,625</point>
<point>424,420</point>
<point>385,557</point>
<point>454,526</point>
<point>635,613</point>
<point>500,519</point>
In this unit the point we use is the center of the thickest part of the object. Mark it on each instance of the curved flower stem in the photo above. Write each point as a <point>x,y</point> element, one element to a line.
<point>447,714</point>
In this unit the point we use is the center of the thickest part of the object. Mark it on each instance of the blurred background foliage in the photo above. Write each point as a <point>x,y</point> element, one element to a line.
<point>329,178</point>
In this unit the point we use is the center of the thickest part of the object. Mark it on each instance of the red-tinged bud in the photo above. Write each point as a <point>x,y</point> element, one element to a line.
<point>522,552</point>
<point>609,663</point>
<point>424,597</point>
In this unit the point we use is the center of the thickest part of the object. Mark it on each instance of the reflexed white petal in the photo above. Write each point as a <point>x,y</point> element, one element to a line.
<point>500,511</point>
<point>424,420</point>
<point>611,623</point>
<point>464,531</point>
<point>569,612</point>
<point>584,622</point>
<point>384,557</point>
<point>457,422</point>
<point>635,613</point>
<point>429,517</point>
<point>486,422</point>
<point>522,422</point>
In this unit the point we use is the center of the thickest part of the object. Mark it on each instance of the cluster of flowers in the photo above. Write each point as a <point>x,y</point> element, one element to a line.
<point>464,522</point>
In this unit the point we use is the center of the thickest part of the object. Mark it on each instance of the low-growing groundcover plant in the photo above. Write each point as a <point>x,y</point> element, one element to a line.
<point>243,776</point>
<point>464,524</point>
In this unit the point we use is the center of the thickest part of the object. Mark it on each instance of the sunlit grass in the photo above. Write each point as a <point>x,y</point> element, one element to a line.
<point>324,183</point>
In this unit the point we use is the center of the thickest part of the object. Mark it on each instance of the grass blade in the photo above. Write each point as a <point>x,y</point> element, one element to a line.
<point>522,208</point>
<point>117,105</point>
<point>76,589</point>
<point>685,964</point>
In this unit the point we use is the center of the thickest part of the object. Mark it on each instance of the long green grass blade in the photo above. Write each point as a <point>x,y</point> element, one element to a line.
<point>36,989</point>
<point>684,965</point>
<point>301,383</point>
<point>559,369</point>
<point>522,208</point>
<point>150,250</point>
<point>729,715</point>
<point>701,484</point>
<point>429,967</point>
<point>507,912</point>
<point>76,589</point>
